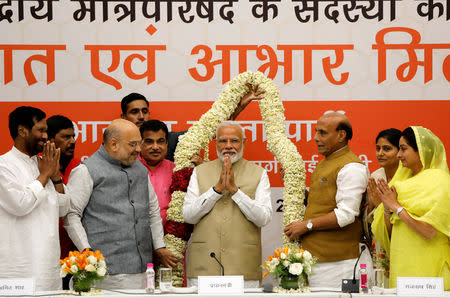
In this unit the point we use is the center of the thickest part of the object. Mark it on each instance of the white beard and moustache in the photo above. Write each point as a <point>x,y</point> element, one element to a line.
<point>234,157</point>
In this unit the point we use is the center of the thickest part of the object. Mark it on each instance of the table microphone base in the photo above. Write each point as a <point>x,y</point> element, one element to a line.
<point>350,285</point>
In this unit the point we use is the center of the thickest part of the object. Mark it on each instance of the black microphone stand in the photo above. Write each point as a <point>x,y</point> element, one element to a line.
<point>213,255</point>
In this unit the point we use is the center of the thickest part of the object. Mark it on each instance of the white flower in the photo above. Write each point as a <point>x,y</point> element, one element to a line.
<point>295,268</point>
<point>298,255</point>
<point>62,273</point>
<point>89,268</point>
<point>72,259</point>
<point>102,263</point>
<point>92,260</point>
<point>74,269</point>
<point>283,256</point>
<point>307,269</point>
<point>101,271</point>
<point>307,256</point>
<point>286,263</point>
<point>273,264</point>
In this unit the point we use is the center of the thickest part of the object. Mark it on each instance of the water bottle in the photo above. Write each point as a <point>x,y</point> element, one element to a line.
<point>150,279</point>
<point>364,287</point>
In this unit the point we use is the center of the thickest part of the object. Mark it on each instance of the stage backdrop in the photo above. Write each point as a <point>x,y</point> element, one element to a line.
<point>384,63</point>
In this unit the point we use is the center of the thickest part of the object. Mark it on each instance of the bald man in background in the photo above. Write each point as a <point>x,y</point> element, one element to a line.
<point>115,209</point>
<point>331,229</point>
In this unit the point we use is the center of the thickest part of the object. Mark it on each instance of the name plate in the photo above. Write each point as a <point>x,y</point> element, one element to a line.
<point>420,286</point>
<point>228,285</point>
<point>17,287</point>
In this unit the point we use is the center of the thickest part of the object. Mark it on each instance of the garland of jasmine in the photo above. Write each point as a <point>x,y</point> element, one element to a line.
<point>200,135</point>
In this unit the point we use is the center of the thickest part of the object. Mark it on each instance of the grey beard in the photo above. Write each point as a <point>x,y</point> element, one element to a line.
<point>233,158</point>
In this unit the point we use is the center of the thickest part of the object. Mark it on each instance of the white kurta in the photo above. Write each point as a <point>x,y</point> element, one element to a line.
<point>29,245</point>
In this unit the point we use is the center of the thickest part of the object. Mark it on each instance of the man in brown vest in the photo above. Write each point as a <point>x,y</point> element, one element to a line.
<point>331,229</point>
<point>228,200</point>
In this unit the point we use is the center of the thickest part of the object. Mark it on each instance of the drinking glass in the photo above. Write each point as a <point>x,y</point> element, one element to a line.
<point>379,277</point>
<point>165,280</point>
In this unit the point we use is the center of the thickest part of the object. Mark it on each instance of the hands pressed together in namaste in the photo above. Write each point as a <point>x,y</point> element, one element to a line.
<point>382,193</point>
<point>48,163</point>
<point>226,179</point>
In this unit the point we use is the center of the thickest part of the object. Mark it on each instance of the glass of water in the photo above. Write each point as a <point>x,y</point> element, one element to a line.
<point>379,277</point>
<point>165,280</point>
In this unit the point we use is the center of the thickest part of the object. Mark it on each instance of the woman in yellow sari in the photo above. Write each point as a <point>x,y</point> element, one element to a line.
<point>413,223</point>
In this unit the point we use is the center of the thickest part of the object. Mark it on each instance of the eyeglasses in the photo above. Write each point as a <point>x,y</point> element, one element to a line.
<point>149,142</point>
<point>233,141</point>
<point>134,144</point>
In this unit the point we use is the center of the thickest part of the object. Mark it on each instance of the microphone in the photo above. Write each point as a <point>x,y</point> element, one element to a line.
<point>213,255</point>
<point>352,285</point>
<point>363,247</point>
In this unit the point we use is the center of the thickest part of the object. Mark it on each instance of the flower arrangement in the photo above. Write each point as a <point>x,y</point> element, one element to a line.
<point>379,257</point>
<point>86,267</point>
<point>200,135</point>
<point>292,266</point>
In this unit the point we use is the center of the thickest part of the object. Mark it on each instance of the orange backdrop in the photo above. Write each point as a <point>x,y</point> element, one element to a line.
<point>367,117</point>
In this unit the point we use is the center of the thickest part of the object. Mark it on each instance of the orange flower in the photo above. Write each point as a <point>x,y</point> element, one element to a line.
<point>81,261</point>
<point>67,262</point>
<point>98,255</point>
<point>276,253</point>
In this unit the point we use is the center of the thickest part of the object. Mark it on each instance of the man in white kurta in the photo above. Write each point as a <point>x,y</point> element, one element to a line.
<point>228,200</point>
<point>30,206</point>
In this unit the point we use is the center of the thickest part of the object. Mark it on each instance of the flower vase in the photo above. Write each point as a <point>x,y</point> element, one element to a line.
<point>82,283</point>
<point>289,282</point>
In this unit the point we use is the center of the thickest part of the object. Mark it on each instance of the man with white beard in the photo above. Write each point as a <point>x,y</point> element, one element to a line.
<point>228,200</point>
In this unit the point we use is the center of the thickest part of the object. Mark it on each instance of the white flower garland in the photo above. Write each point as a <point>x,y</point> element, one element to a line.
<point>202,132</point>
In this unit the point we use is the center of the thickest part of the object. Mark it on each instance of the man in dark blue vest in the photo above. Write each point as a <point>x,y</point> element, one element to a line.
<point>115,209</point>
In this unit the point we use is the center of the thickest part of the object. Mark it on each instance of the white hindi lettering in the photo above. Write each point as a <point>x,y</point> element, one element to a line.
<point>365,160</point>
<point>268,165</point>
<point>170,123</point>
<point>311,164</point>
<point>81,128</point>
<point>84,131</point>
<point>295,135</point>
<point>294,129</point>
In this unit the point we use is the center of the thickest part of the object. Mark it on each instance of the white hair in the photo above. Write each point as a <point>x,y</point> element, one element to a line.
<point>231,123</point>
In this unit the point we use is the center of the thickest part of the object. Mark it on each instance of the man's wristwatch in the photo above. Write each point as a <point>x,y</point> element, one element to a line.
<point>59,181</point>
<point>309,225</point>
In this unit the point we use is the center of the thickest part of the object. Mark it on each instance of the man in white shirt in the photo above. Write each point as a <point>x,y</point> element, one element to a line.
<point>331,230</point>
<point>31,200</point>
<point>115,209</point>
<point>228,200</point>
